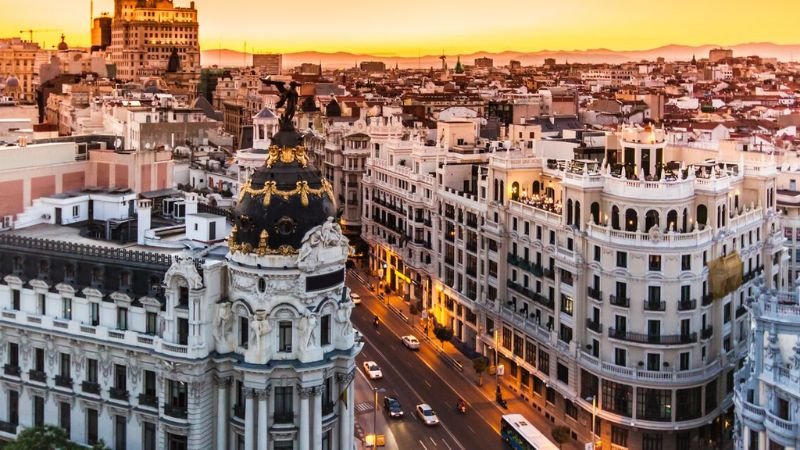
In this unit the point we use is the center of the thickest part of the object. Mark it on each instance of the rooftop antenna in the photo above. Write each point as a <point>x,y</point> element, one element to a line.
<point>91,14</point>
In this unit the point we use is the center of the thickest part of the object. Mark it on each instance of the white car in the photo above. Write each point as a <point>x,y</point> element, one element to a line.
<point>355,298</point>
<point>410,342</point>
<point>372,370</point>
<point>427,414</point>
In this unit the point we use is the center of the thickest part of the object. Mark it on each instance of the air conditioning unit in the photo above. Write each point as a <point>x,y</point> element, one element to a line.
<point>46,216</point>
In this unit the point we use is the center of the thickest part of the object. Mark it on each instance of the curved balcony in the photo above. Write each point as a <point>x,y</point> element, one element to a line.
<point>649,190</point>
<point>780,430</point>
<point>638,376</point>
<point>656,339</point>
<point>663,240</point>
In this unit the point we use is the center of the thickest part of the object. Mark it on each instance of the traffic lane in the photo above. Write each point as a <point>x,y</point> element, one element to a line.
<point>408,431</point>
<point>427,376</point>
<point>479,405</point>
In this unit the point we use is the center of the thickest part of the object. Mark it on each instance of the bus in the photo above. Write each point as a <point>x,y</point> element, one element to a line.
<point>519,434</point>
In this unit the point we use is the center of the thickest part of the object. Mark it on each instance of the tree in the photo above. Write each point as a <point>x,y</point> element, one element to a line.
<point>561,435</point>
<point>443,334</point>
<point>47,437</point>
<point>480,365</point>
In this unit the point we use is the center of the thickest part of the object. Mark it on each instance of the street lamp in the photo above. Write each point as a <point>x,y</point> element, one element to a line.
<point>375,417</point>
<point>593,399</point>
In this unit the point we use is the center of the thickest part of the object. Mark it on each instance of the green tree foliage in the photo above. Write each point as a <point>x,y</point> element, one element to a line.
<point>47,437</point>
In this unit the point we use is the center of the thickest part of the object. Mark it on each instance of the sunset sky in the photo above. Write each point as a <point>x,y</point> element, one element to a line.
<point>409,27</point>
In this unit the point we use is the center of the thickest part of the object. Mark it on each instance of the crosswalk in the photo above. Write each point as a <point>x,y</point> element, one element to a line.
<point>364,407</point>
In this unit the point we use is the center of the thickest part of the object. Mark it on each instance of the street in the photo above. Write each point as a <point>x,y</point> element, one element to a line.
<point>421,377</point>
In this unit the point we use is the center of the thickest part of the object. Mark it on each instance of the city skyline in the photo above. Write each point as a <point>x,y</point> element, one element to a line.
<point>445,26</point>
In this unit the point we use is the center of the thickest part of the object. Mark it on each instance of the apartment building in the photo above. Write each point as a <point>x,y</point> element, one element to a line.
<point>766,394</point>
<point>17,69</point>
<point>144,34</point>
<point>620,278</point>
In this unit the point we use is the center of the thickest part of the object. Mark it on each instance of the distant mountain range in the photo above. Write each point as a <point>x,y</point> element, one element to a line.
<point>233,58</point>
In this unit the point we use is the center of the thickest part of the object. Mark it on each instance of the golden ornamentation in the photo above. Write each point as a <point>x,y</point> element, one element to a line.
<point>301,188</point>
<point>232,237</point>
<point>262,243</point>
<point>283,250</point>
<point>286,155</point>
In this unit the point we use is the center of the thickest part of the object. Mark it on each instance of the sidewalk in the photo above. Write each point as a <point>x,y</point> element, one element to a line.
<point>364,402</point>
<point>517,403</point>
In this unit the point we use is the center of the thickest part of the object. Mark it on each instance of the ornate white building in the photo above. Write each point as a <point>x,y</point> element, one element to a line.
<point>767,393</point>
<point>620,275</point>
<point>244,343</point>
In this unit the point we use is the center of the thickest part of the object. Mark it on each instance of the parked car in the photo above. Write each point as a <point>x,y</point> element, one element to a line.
<point>355,298</point>
<point>427,415</point>
<point>372,370</point>
<point>410,342</point>
<point>392,406</point>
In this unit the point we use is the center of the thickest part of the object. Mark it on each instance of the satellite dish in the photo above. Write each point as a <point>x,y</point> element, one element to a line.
<point>117,143</point>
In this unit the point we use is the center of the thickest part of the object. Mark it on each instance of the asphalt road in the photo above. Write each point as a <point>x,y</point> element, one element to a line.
<point>423,377</point>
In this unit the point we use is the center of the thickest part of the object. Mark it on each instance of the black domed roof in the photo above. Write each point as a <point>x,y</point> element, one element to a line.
<point>280,203</point>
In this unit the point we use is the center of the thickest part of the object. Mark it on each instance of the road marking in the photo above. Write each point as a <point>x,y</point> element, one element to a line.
<point>445,443</point>
<point>414,391</point>
<point>434,442</point>
<point>429,385</point>
<point>364,406</point>
<point>422,444</point>
<point>470,429</point>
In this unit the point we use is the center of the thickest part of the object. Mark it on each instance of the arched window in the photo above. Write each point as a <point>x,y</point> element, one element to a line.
<point>615,217</point>
<point>515,191</point>
<point>578,219</point>
<point>495,189</point>
<point>702,215</point>
<point>631,220</point>
<point>502,191</point>
<point>595,210</point>
<point>535,189</point>
<point>685,226</point>
<point>672,220</point>
<point>651,219</point>
<point>569,212</point>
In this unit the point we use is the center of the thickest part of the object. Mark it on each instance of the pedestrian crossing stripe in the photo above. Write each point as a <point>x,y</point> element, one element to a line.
<point>365,406</point>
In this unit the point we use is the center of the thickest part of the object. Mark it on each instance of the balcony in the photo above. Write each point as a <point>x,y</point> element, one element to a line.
<point>593,293</point>
<point>12,371</point>
<point>538,298</point>
<point>687,305</point>
<point>658,339</point>
<point>623,302</point>
<point>740,311</point>
<point>148,400</point>
<point>782,428</point>
<point>550,273</point>
<point>37,375</point>
<point>597,327</point>
<point>650,305</point>
<point>327,408</point>
<point>707,299</point>
<point>64,381</point>
<point>89,387</point>
<point>8,427</point>
<point>118,394</point>
<point>707,332</point>
<point>177,411</point>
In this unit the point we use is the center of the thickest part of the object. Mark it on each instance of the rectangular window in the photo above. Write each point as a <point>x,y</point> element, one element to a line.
<point>654,404</point>
<point>620,357</point>
<point>653,442</point>
<point>654,263</point>
<point>565,333</point>
<point>283,404</point>
<point>183,331</point>
<point>13,354</point>
<point>120,432</point>
<point>65,372</point>
<point>151,323</point>
<point>325,330</point>
<point>13,407</point>
<point>285,336</point>
<point>567,304</point>
<point>686,262</point>
<point>622,259</point>
<point>94,312</point>
<point>244,330</point>
<point>42,309</point>
<point>562,373</point>
<point>149,436</point>
<point>544,361</point>
<point>38,411</point>
<point>91,426</point>
<point>149,383</point>
<point>91,370</point>
<point>66,308</point>
<point>597,253</point>
<point>683,364</point>
<point>15,294</point>
<point>177,398</point>
<point>120,377</point>
<point>653,361</point>
<point>122,318</point>
<point>619,436</point>
<point>64,418</point>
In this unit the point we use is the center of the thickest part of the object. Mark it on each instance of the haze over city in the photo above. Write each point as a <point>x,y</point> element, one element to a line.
<point>412,27</point>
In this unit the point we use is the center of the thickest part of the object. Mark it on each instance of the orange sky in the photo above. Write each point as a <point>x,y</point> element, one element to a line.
<point>409,27</point>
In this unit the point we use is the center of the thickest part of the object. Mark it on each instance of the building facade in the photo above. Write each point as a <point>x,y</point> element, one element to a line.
<point>244,344</point>
<point>586,275</point>
<point>17,69</point>
<point>144,33</point>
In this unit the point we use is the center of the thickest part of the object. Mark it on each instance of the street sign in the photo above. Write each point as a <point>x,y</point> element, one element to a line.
<point>370,439</point>
<point>501,369</point>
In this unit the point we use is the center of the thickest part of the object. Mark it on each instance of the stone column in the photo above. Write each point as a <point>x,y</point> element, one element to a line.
<point>346,431</point>
<point>263,418</point>
<point>249,393</point>
<point>303,435</point>
<point>316,414</point>
<point>222,412</point>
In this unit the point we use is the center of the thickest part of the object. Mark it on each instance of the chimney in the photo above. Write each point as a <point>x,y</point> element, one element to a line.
<point>191,203</point>
<point>143,210</point>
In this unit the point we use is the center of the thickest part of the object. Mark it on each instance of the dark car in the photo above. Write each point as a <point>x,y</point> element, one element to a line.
<point>392,406</point>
